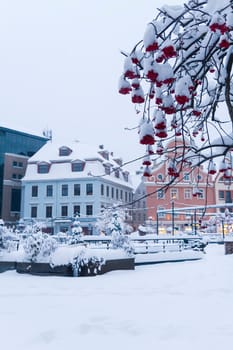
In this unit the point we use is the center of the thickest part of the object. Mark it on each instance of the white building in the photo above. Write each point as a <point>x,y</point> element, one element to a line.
<point>62,181</point>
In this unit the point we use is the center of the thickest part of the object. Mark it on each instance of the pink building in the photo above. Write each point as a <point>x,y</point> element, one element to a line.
<point>191,189</point>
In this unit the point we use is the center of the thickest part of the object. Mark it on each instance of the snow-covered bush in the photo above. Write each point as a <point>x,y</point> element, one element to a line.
<point>76,232</point>
<point>119,239</point>
<point>39,245</point>
<point>8,239</point>
<point>84,261</point>
<point>105,220</point>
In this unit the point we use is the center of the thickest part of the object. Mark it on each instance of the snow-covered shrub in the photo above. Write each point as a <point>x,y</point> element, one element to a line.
<point>8,239</point>
<point>83,261</point>
<point>105,220</point>
<point>119,239</point>
<point>39,245</point>
<point>76,232</point>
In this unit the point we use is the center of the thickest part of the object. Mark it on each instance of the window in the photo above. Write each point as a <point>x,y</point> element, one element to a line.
<point>187,193</point>
<point>49,190</point>
<point>126,176</point>
<point>107,190</point>
<point>49,211</point>
<point>117,193</point>
<point>186,177</point>
<point>161,215</point>
<point>121,194</point>
<point>126,196</point>
<point>117,174</point>
<point>17,176</point>
<point>160,177</point>
<point>43,168</point>
<point>64,190</point>
<point>76,210</point>
<point>107,169</point>
<point>200,193</point>
<point>64,210</point>
<point>160,194</point>
<point>102,190</point>
<point>78,166</point>
<point>15,199</point>
<point>77,189</point>
<point>34,191</point>
<point>33,212</point>
<point>89,210</point>
<point>112,192</point>
<point>89,189</point>
<point>16,164</point>
<point>199,177</point>
<point>228,197</point>
<point>221,194</point>
<point>174,193</point>
<point>64,151</point>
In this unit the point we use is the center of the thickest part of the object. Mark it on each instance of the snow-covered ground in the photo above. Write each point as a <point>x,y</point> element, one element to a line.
<point>184,305</point>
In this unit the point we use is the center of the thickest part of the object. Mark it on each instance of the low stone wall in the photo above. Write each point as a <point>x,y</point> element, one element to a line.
<point>7,265</point>
<point>45,269</point>
<point>110,265</point>
<point>119,264</point>
<point>228,247</point>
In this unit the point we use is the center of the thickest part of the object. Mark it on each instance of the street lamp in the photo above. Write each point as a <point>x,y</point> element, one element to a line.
<point>157,223</point>
<point>173,218</point>
<point>195,221</point>
<point>173,214</point>
<point>223,228</point>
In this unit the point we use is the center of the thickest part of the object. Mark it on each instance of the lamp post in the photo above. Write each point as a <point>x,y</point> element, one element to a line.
<point>223,228</point>
<point>157,223</point>
<point>195,221</point>
<point>173,215</point>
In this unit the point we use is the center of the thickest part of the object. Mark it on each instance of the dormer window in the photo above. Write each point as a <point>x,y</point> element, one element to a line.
<point>43,168</point>
<point>64,151</point>
<point>78,166</point>
<point>107,169</point>
<point>117,173</point>
<point>126,176</point>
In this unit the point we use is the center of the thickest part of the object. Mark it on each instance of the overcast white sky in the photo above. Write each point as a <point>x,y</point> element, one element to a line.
<point>60,63</point>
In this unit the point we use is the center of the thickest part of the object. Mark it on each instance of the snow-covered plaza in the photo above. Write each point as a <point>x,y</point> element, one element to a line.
<point>184,305</point>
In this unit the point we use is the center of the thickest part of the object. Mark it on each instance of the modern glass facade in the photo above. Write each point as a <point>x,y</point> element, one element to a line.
<point>20,143</point>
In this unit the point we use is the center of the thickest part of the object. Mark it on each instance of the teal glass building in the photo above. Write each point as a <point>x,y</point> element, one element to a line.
<point>16,143</point>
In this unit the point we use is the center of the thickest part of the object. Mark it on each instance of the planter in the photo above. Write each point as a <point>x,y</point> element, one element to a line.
<point>43,269</point>
<point>110,265</point>
<point>118,264</point>
<point>7,265</point>
<point>228,247</point>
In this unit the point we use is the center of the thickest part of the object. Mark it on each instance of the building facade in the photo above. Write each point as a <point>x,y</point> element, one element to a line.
<point>168,205</point>
<point>62,181</point>
<point>178,202</point>
<point>15,148</point>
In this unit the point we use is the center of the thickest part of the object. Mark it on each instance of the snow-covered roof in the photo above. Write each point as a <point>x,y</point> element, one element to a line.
<point>50,152</point>
<point>60,165</point>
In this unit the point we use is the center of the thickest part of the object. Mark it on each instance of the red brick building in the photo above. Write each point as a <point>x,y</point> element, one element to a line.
<point>193,189</point>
